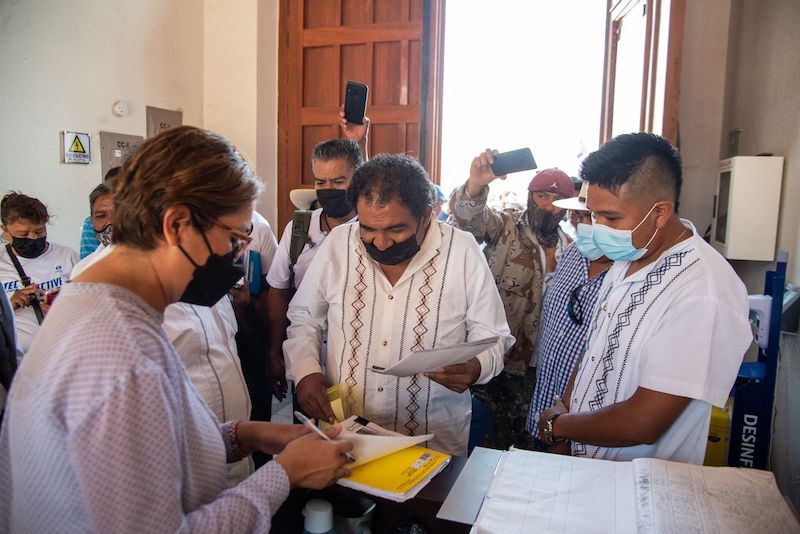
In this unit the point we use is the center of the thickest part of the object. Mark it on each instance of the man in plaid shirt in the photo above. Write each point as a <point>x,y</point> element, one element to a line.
<point>566,308</point>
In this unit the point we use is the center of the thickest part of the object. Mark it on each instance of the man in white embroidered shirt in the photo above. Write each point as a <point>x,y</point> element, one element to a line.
<point>395,283</point>
<point>671,322</point>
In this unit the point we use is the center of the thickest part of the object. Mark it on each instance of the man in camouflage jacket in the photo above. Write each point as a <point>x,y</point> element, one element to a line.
<point>522,249</point>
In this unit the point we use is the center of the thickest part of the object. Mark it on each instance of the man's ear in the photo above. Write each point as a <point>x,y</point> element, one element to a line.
<point>177,220</point>
<point>664,210</point>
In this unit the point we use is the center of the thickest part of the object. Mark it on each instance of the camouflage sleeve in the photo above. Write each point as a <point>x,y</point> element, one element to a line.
<point>474,216</point>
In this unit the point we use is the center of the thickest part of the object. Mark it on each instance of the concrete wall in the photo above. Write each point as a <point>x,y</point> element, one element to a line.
<point>761,98</point>
<point>703,71</point>
<point>64,65</point>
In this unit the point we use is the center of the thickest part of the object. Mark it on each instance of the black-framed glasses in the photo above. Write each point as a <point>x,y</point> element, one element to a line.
<point>574,307</point>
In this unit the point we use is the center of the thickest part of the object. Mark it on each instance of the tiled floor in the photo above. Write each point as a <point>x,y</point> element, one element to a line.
<point>282,410</point>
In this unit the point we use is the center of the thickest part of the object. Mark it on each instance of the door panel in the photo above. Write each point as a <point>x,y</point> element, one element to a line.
<point>383,43</point>
<point>641,82</point>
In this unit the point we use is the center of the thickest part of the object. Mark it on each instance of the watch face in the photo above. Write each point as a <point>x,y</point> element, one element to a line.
<point>548,431</point>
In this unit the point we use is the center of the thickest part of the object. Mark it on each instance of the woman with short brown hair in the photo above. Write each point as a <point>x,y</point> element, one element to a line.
<point>103,429</point>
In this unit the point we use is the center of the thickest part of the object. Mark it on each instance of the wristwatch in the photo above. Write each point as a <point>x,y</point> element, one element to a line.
<point>548,429</point>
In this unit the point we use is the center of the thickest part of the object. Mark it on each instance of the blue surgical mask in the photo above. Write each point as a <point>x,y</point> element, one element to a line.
<point>585,243</point>
<point>617,245</point>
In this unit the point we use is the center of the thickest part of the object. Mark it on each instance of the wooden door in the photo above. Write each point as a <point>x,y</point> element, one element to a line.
<point>394,46</point>
<point>641,82</point>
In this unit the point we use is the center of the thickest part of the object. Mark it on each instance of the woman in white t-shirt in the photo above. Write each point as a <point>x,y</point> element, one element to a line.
<point>46,265</point>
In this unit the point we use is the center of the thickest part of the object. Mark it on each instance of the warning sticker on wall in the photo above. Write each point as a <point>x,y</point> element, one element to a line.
<point>77,147</point>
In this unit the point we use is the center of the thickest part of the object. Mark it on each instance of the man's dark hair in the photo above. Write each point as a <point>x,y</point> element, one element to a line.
<point>16,206</point>
<point>647,163</point>
<point>345,149</point>
<point>576,182</point>
<point>112,172</point>
<point>392,176</point>
<point>105,188</point>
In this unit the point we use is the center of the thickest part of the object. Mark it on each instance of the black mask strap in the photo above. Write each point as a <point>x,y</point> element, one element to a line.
<point>205,239</point>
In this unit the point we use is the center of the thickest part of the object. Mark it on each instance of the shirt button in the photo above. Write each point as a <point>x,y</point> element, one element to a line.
<point>385,342</point>
<point>562,333</point>
<point>391,297</point>
<point>380,389</point>
<point>592,358</point>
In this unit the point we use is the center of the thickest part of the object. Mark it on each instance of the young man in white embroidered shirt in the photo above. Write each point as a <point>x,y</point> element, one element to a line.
<point>670,326</point>
<point>333,163</point>
<point>395,283</point>
<point>46,265</point>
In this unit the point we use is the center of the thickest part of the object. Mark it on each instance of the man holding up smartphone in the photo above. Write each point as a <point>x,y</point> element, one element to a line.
<point>522,248</point>
<point>333,163</point>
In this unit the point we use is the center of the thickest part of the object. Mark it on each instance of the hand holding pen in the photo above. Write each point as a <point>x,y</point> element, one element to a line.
<point>309,424</point>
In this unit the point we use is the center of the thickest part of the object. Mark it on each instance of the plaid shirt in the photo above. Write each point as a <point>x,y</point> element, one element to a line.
<point>562,341</point>
<point>515,260</point>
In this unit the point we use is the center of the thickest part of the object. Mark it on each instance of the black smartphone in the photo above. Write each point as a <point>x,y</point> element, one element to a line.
<point>355,102</point>
<point>513,161</point>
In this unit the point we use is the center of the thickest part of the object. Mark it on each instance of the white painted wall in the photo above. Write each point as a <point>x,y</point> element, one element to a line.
<point>267,109</point>
<point>229,74</point>
<point>240,81</point>
<point>65,63</point>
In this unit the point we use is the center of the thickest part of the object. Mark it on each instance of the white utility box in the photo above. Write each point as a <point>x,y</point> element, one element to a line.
<point>745,222</point>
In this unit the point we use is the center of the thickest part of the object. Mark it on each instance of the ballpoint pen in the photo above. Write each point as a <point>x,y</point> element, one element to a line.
<point>307,422</point>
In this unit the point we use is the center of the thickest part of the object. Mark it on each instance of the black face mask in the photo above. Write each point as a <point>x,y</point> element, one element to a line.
<point>334,202</point>
<point>29,248</point>
<point>104,235</point>
<point>397,253</point>
<point>211,281</point>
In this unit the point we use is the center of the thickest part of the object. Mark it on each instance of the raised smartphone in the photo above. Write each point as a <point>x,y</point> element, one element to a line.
<point>513,161</point>
<point>355,102</point>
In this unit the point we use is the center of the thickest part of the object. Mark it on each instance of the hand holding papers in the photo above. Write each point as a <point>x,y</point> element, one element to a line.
<point>308,424</point>
<point>429,360</point>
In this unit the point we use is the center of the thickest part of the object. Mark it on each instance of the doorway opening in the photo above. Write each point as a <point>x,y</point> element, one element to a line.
<point>521,74</point>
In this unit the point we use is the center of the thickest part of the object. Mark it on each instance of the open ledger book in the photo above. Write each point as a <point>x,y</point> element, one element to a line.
<point>389,465</point>
<point>539,492</point>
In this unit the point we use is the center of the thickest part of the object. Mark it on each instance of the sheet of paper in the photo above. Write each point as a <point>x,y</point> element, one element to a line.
<point>368,448</point>
<point>673,497</point>
<point>464,500</point>
<point>431,359</point>
<point>371,441</point>
<point>549,493</point>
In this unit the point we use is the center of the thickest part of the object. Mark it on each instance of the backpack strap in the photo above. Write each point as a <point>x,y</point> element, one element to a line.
<point>25,280</point>
<point>301,222</point>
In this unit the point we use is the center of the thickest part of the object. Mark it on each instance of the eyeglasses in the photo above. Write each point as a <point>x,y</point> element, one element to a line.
<point>239,239</point>
<point>574,307</point>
